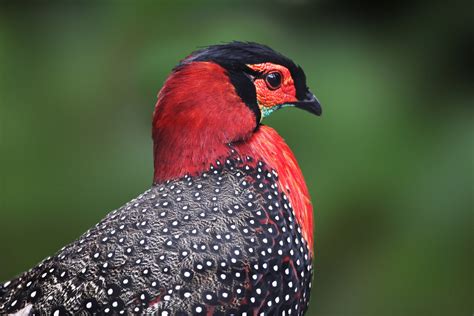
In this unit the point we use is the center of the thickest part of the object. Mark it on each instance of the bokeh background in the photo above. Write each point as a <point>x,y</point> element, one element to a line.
<point>389,164</point>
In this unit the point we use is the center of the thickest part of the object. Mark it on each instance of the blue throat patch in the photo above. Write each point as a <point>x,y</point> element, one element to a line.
<point>266,111</point>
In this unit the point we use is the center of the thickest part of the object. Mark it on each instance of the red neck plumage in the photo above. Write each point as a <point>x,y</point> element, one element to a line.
<point>190,133</point>
<point>190,130</point>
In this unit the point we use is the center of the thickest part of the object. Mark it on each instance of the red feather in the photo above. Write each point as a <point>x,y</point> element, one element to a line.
<point>191,129</point>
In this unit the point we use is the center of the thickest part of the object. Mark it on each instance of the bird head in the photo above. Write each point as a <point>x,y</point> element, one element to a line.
<point>219,95</point>
<point>264,79</point>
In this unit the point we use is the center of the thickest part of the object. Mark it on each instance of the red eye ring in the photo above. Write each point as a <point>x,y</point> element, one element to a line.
<point>273,80</point>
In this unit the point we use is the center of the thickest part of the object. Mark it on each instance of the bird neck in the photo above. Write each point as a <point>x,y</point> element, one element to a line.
<point>185,158</point>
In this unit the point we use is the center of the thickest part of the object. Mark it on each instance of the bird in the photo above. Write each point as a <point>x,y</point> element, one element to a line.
<point>226,227</point>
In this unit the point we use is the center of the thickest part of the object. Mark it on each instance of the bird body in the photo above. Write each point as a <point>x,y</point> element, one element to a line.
<point>226,229</point>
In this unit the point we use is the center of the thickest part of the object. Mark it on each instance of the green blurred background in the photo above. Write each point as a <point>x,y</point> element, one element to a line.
<point>389,164</point>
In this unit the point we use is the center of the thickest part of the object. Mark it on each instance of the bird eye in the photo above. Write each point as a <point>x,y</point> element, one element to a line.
<point>273,80</point>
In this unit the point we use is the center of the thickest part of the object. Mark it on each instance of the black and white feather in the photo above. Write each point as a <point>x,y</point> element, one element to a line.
<point>225,242</point>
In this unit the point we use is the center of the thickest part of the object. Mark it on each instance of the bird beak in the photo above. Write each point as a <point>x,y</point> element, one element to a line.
<point>310,104</point>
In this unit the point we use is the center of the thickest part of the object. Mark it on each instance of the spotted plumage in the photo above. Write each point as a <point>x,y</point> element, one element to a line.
<point>226,228</point>
<point>223,242</point>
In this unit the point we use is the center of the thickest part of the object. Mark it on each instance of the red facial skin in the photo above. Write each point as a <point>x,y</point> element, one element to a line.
<point>269,97</point>
<point>191,130</point>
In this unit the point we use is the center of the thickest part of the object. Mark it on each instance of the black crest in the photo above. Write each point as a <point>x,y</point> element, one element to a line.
<point>238,54</point>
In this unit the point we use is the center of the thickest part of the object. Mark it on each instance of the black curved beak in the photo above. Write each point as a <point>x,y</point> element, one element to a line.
<point>310,104</point>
